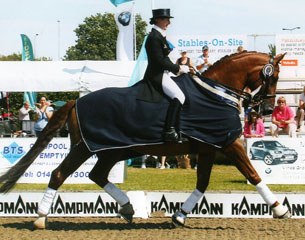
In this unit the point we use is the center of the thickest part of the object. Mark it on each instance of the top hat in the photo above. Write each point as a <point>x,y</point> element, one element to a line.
<point>160,13</point>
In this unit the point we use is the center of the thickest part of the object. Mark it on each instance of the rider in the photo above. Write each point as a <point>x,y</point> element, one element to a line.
<point>157,76</point>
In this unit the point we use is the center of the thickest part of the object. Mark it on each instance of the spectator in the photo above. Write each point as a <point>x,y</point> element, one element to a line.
<point>164,164</point>
<point>184,59</point>
<point>144,159</point>
<point>254,126</point>
<point>240,49</point>
<point>24,112</point>
<point>24,118</point>
<point>44,113</point>
<point>203,62</point>
<point>283,119</point>
<point>300,111</point>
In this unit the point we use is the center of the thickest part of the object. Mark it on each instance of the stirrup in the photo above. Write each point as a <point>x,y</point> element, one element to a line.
<point>171,135</point>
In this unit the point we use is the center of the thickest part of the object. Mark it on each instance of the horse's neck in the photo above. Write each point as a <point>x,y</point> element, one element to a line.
<point>228,78</point>
<point>234,70</point>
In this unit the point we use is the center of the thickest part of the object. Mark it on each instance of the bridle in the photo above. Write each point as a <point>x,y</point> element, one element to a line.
<point>265,76</point>
<point>249,101</point>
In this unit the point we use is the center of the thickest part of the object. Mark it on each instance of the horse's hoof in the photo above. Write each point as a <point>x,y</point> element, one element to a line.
<point>281,212</point>
<point>178,219</point>
<point>40,223</point>
<point>127,212</point>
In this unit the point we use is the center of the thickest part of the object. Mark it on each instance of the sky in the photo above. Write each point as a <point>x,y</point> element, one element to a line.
<point>50,24</point>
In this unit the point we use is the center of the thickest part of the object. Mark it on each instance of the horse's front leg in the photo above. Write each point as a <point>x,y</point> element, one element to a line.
<point>99,175</point>
<point>76,157</point>
<point>204,168</point>
<point>237,153</point>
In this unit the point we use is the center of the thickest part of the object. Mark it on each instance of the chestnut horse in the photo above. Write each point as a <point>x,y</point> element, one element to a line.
<point>257,71</point>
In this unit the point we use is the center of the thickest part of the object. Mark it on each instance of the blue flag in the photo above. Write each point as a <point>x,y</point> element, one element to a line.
<point>28,55</point>
<point>27,49</point>
<point>140,66</point>
<point>117,2</point>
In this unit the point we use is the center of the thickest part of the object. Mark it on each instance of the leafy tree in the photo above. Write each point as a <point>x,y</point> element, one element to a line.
<point>96,38</point>
<point>12,57</point>
<point>272,49</point>
<point>140,32</point>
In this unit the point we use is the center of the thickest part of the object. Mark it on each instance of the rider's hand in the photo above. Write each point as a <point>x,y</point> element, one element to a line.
<point>184,69</point>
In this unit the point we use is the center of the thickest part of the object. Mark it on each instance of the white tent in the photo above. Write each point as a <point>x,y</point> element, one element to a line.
<point>81,76</point>
<point>63,76</point>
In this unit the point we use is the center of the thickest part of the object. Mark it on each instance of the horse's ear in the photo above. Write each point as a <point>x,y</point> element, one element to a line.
<point>278,58</point>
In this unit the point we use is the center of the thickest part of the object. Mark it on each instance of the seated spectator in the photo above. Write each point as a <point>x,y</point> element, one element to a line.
<point>184,59</point>
<point>283,119</point>
<point>300,111</point>
<point>240,49</point>
<point>254,126</point>
<point>204,61</point>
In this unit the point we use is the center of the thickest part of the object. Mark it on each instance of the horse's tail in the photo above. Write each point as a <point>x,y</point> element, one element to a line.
<point>56,122</point>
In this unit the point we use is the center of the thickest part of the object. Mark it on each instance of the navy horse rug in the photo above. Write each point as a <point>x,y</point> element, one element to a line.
<point>115,117</point>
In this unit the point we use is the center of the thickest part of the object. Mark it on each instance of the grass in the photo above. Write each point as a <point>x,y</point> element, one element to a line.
<point>223,178</point>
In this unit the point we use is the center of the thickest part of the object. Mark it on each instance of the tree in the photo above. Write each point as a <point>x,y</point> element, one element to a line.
<point>96,38</point>
<point>12,57</point>
<point>96,41</point>
<point>140,32</point>
<point>272,49</point>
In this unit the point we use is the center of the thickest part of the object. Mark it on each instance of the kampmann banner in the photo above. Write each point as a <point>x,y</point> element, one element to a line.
<point>100,204</point>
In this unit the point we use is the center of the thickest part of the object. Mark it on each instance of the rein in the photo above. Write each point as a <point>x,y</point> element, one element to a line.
<point>248,100</point>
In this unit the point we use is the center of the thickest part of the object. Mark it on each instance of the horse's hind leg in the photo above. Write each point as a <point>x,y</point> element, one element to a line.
<point>238,154</point>
<point>99,175</point>
<point>76,157</point>
<point>204,167</point>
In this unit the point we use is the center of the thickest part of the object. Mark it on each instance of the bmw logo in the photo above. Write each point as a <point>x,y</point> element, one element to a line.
<point>268,170</point>
<point>124,18</point>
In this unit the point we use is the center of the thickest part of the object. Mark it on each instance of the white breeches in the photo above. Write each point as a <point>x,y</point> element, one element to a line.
<point>171,89</point>
<point>290,130</point>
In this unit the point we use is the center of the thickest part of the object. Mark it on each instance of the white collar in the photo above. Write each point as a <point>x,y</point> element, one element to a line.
<point>160,30</point>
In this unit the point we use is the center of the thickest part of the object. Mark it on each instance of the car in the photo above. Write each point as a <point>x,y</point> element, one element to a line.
<point>272,152</point>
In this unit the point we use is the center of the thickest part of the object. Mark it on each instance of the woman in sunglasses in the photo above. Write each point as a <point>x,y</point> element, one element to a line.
<point>283,119</point>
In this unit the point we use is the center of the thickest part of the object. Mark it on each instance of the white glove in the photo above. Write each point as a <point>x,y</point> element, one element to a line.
<point>184,69</point>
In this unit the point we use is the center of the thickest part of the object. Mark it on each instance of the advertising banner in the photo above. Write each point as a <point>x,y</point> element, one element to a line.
<point>27,48</point>
<point>278,160</point>
<point>219,45</point>
<point>100,204</point>
<point>125,42</point>
<point>13,149</point>
<point>293,65</point>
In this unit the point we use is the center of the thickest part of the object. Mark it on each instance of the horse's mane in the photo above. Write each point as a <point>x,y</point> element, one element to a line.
<point>235,56</point>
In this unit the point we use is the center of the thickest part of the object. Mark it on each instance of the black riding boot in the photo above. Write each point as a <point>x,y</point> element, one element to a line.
<point>173,114</point>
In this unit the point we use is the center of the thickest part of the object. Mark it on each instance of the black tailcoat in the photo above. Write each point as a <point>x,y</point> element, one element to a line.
<point>157,50</point>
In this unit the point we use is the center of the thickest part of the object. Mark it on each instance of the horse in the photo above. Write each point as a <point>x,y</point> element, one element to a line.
<point>222,85</point>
